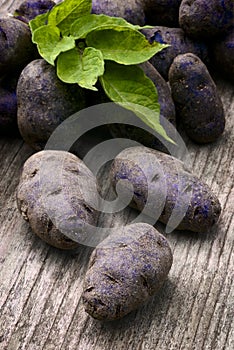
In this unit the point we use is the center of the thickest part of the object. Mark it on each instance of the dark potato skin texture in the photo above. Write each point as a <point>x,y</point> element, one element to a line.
<point>16,47</point>
<point>29,9</point>
<point>44,102</point>
<point>178,42</point>
<point>198,105</point>
<point>31,202</point>
<point>158,12</point>
<point>133,165</point>
<point>131,10</point>
<point>206,19</point>
<point>167,111</point>
<point>125,270</point>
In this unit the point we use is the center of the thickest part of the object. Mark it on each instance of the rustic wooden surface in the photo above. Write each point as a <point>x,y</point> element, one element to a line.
<point>40,286</point>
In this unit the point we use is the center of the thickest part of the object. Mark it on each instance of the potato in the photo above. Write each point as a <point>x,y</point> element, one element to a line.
<point>57,205</point>
<point>223,55</point>
<point>159,12</point>
<point>29,9</point>
<point>167,111</point>
<point>44,102</point>
<point>198,104</point>
<point>162,12</point>
<point>125,270</point>
<point>179,44</point>
<point>163,182</point>
<point>16,47</point>
<point>131,10</point>
<point>206,19</point>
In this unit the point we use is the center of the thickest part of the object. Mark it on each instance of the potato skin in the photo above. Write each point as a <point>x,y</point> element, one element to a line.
<point>167,111</point>
<point>159,12</point>
<point>179,44</point>
<point>133,165</point>
<point>16,47</point>
<point>44,102</point>
<point>31,202</point>
<point>131,10</point>
<point>125,270</point>
<point>198,105</point>
<point>29,9</point>
<point>206,19</point>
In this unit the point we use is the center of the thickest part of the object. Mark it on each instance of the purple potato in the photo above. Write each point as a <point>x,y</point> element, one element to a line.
<point>162,186</point>
<point>44,102</point>
<point>162,12</point>
<point>198,105</point>
<point>131,10</point>
<point>54,205</point>
<point>16,47</point>
<point>179,44</point>
<point>167,111</point>
<point>125,270</point>
<point>29,9</point>
<point>206,19</point>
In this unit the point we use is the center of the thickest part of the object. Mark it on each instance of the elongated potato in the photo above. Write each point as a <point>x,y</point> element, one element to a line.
<point>198,105</point>
<point>178,42</point>
<point>125,270</point>
<point>55,205</point>
<point>161,183</point>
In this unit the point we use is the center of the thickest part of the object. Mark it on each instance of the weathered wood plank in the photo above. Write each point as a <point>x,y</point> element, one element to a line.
<point>40,287</point>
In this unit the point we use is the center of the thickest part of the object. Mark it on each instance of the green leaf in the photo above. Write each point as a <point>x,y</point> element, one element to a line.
<point>129,84</point>
<point>65,13</point>
<point>129,87</point>
<point>86,24</point>
<point>38,21</point>
<point>50,44</point>
<point>83,68</point>
<point>148,116</point>
<point>126,47</point>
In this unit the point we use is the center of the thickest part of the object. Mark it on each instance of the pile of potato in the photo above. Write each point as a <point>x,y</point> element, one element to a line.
<point>195,27</point>
<point>129,266</point>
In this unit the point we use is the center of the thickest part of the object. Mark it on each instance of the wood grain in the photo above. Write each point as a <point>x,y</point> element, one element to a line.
<point>40,286</point>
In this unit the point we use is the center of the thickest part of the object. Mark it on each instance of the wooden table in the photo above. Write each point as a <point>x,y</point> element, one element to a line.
<point>40,286</point>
